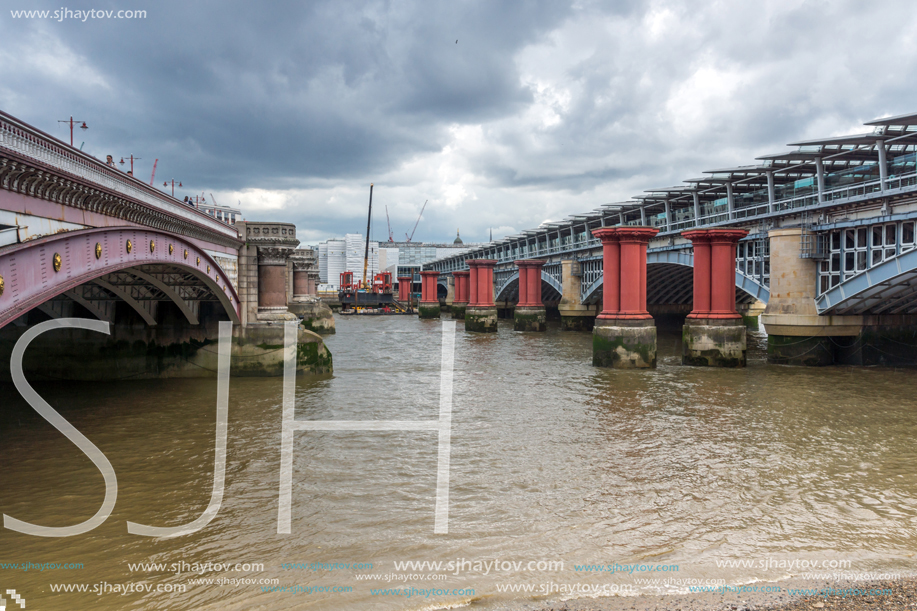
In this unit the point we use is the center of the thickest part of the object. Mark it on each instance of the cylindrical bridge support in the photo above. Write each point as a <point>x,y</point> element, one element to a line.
<point>460,303</point>
<point>405,284</point>
<point>529,314</point>
<point>624,336</point>
<point>481,313</point>
<point>714,333</point>
<point>272,279</point>
<point>429,303</point>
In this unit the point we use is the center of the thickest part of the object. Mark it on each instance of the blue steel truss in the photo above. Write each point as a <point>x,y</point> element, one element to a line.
<point>510,281</point>
<point>887,288</point>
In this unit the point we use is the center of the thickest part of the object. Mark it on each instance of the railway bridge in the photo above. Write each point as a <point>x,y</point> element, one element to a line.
<point>81,239</point>
<point>818,239</point>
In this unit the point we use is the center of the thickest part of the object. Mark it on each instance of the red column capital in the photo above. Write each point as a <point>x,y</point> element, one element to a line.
<point>606,234</point>
<point>726,235</point>
<point>640,235</point>
<point>697,235</point>
<point>482,262</point>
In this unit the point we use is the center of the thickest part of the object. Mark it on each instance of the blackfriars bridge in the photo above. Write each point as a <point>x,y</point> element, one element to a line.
<point>79,238</point>
<point>819,240</point>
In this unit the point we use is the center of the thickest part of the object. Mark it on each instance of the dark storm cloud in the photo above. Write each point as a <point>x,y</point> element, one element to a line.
<point>250,93</point>
<point>540,110</point>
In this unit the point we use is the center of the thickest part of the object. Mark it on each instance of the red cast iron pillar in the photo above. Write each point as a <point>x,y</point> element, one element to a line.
<point>611,271</point>
<point>472,283</point>
<point>404,289</point>
<point>481,313</point>
<point>723,272</point>
<point>529,314</point>
<point>429,302</point>
<point>634,241</point>
<point>714,333</point>
<point>460,302</point>
<point>624,336</point>
<point>701,241</point>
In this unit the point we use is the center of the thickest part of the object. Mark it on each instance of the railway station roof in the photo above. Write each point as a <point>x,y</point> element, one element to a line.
<point>840,156</point>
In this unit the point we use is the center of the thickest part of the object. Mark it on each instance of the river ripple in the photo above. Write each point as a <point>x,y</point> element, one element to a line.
<point>552,460</point>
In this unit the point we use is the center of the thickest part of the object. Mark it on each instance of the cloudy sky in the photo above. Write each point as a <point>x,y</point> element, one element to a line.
<point>501,114</point>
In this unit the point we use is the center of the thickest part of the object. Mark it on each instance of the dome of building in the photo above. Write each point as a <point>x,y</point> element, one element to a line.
<point>458,239</point>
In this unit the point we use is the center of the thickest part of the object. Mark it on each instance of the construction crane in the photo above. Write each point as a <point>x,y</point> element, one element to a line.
<point>391,238</point>
<point>420,216</point>
<point>369,220</point>
<point>153,177</point>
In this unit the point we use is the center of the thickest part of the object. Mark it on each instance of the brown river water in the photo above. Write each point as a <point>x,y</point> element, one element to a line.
<point>555,465</point>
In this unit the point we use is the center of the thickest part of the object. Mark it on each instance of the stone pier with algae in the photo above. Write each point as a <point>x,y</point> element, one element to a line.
<point>624,344</point>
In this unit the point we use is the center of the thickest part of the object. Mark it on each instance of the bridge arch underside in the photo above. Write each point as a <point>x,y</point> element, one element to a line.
<point>152,294</point>
<point>509,292</point>
<point>886,289</point>
<point>162,304</point>
<point>668,284</point>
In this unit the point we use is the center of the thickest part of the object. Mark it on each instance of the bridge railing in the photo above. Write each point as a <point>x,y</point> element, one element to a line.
<point>34,144</point>
<point>714,215</point>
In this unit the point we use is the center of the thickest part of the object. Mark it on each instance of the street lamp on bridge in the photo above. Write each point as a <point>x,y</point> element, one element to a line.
<point>166,184</point>
<point>133,159</point>
<point>71,122</point>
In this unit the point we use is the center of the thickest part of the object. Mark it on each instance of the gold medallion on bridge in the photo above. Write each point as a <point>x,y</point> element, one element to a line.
<point>56,262</point>
<point>152,245</point>
<point>130,247</point>
<point>1,285</point>
<point>208,268</point>
<point>186,253</point>
<point>171,249</point>
<point>98,251</point>
<point>198,260</point>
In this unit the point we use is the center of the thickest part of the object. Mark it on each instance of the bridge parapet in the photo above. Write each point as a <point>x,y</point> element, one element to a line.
<point>38,165</point>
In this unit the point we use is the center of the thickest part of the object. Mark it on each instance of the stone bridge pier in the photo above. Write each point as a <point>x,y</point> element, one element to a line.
<point>875,325</point>
<point>574,315</point>
<point>714,332</point>
<point>481,313</point>
<point>268,294</point>
<point>316,315</point>
<point>625,334</point>
<point>450,292</point>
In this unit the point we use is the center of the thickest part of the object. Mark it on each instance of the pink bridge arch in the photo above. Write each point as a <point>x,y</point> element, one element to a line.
<point>36,271</point>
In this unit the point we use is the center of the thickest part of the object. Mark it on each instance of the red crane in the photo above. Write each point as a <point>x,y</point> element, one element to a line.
<point>419,216</point>
<point>153,177</point>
